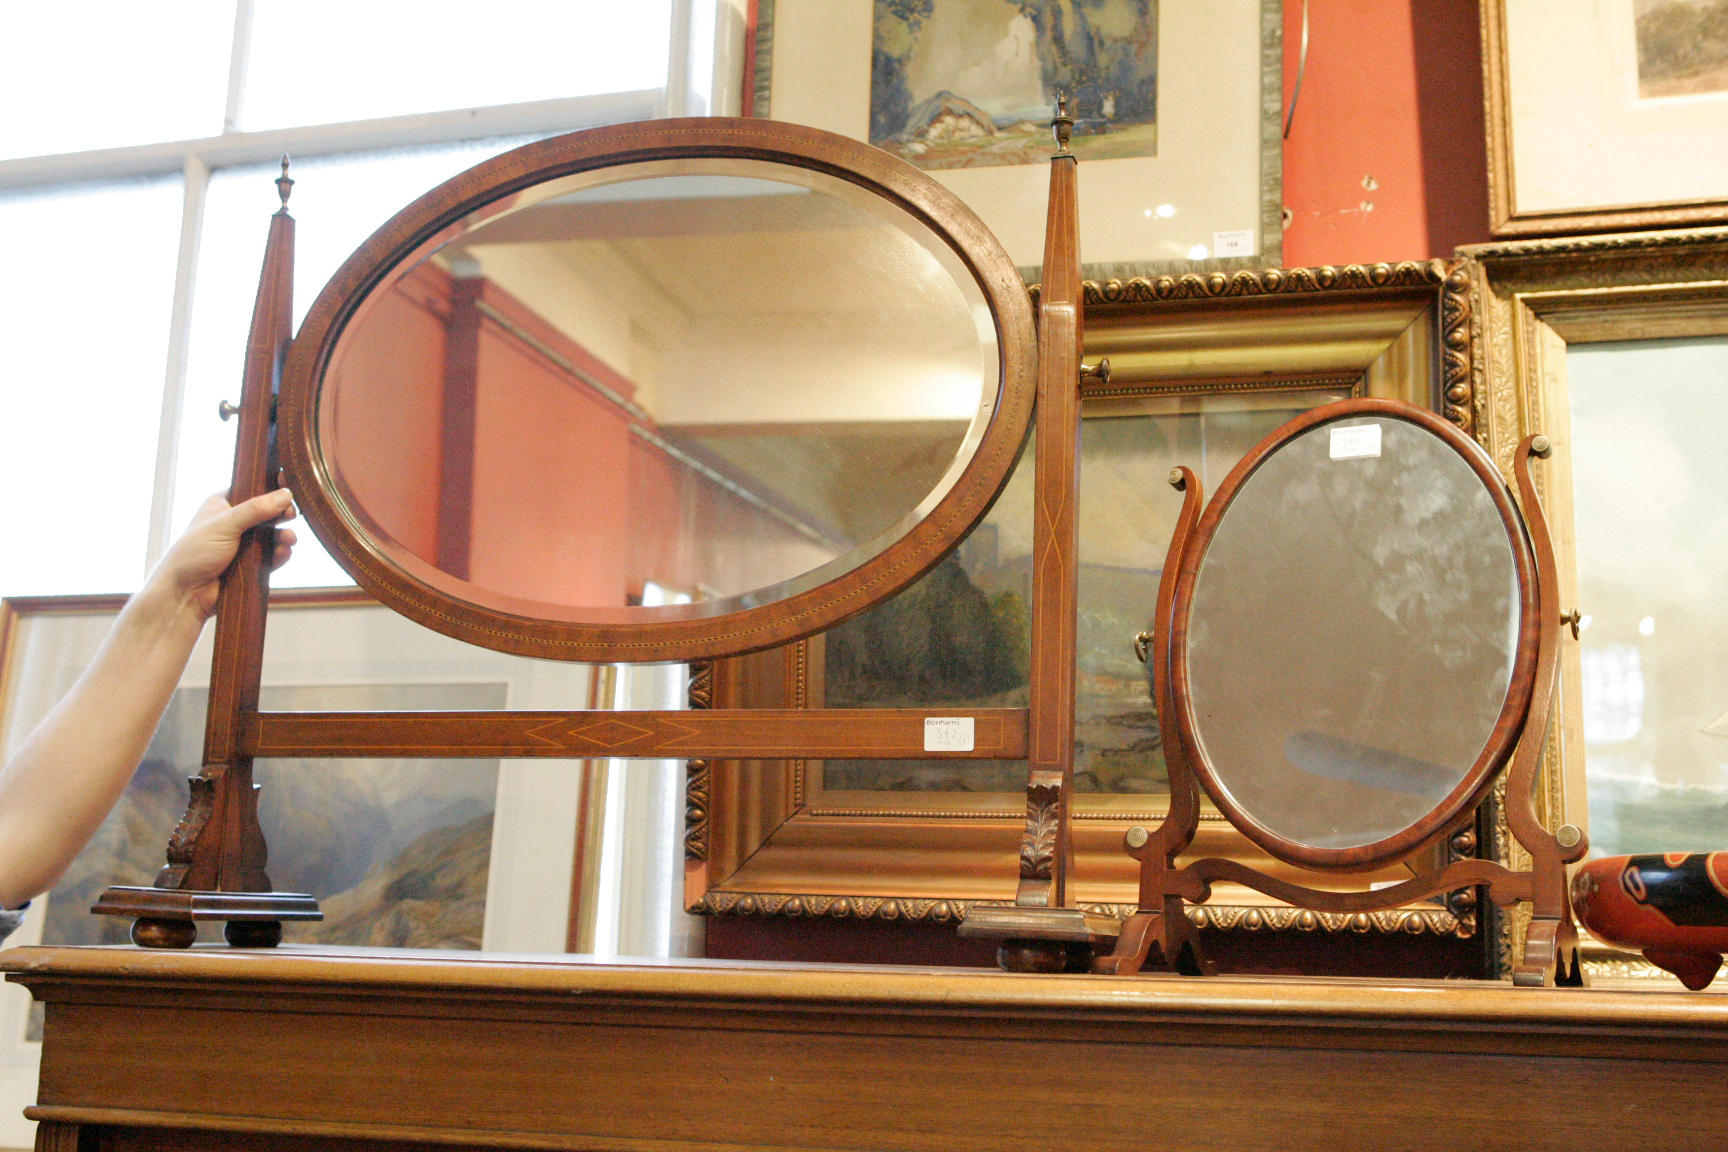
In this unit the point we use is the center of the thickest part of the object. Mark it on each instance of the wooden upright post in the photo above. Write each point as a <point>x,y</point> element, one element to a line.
<point>216,857</point>
<point>1042,932</point>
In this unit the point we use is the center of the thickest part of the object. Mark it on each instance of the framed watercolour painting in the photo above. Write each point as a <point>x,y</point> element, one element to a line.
<point>1605,115</point>
<point>1176,107</point>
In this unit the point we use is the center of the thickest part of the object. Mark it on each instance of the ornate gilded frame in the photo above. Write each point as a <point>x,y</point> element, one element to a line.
<point>1535,299</point>
<point>762,842</point>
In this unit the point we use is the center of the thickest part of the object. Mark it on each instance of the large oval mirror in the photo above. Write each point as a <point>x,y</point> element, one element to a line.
<point>1354,634</point>
<point>660,391</point>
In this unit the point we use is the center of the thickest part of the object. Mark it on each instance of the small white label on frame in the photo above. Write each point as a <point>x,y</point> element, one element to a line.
<point>948,734</point>
<point>1356,442</point>
<point>1237,243</point>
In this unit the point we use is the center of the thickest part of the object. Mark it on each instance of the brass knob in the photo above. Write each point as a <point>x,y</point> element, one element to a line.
<point>1137,837</point>
<point>225,410</point>
<point>1573,619</point>
<point>1142,645</point>
<point>1568,835</point>
<point>1099,371</point>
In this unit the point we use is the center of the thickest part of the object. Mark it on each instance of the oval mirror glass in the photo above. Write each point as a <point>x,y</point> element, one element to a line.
<point>1352,635</point>
<point>654,398</point>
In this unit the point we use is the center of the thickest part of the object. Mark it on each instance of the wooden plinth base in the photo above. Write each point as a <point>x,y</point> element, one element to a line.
<point>166,917</point>
<point>1042,939</point>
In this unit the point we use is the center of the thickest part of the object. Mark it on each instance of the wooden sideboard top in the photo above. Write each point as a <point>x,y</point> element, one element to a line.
<point>341,1048</point>
<point>311,970</point>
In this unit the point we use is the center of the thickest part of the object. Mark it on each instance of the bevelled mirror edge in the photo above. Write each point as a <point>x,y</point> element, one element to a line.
<point>687,633</point>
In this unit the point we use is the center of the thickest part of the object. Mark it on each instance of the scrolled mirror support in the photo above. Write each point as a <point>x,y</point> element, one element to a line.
<point>1159,935</point>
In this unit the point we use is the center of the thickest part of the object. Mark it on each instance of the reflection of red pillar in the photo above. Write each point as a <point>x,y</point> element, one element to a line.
<point>461,390</point>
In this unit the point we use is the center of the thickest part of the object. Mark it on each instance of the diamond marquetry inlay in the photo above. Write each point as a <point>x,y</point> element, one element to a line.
<point>607,733</point>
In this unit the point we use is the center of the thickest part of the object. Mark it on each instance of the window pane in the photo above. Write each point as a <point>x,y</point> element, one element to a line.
<point>105,73</point>
<point>84,314</point>
<point>337,203</point>
<point>327,61</point>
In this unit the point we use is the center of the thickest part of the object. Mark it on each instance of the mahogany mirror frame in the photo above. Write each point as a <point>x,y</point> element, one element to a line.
<point>1159,935</point>
<point>1509,723</point>
<point>696,633</point>
<point>216,858</point>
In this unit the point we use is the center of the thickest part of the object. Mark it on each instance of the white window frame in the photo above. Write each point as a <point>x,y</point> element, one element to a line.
<point>706,43</point>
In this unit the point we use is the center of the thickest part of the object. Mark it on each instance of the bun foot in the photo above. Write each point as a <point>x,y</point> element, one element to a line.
<point>1695,969</point>
<point>1044,956</point>
<point>253,933</point>
<point>149,932</point>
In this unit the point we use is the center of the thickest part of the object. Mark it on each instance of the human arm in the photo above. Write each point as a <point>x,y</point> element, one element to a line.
<point>58,787</point>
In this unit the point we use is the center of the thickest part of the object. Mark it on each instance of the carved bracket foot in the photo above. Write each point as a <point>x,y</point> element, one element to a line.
<point>1550,956</point>
<point>1162,942</point>
<point>1041,939</point>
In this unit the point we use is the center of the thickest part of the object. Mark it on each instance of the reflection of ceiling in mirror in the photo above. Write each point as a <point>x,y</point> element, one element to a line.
<point>783,307</point>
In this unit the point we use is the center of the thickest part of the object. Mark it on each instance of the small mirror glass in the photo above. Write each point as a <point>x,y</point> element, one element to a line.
<point>1351,633</point>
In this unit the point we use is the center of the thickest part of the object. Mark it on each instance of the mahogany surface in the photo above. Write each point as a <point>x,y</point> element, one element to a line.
<point>857,733</point>
<point>370,1049</point>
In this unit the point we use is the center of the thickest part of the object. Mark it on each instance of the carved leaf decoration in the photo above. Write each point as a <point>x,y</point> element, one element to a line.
<point>1038,849</point>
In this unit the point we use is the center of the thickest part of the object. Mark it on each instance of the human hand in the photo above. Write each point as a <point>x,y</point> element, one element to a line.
<point>192,568</point>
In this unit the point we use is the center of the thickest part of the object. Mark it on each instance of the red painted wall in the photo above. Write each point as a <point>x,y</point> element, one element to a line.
<point>1392,96</point>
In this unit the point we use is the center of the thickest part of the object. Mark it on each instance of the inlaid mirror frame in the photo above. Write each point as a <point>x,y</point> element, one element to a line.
<point>216,858</point>
<point>672,634</point>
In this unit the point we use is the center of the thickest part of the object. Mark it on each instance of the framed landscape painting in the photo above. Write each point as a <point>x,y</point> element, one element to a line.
<point>1176,106</point>
<point>1605,115</point>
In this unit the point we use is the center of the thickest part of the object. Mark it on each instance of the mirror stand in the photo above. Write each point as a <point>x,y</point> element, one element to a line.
<point>216,857</point>
<point>1042,931</point>
<point>1160,936</point>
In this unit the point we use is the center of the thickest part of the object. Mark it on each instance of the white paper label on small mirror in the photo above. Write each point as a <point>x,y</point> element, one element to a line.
<point>1356,442</point>
<point>1239,242</point>
<point>948,734</point>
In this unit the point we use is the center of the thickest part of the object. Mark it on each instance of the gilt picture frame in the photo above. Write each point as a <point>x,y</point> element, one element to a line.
<point>1611,115</point>
<point>1210,199</point>
<point>1630,756</point>
<point>777,839</point>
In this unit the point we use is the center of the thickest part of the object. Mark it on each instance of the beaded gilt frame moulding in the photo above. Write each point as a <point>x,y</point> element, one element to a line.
<point>1201,367</point>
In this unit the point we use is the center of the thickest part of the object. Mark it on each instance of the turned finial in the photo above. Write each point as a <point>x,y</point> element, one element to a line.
<point>1063,125</point>
<point>284,184</point>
